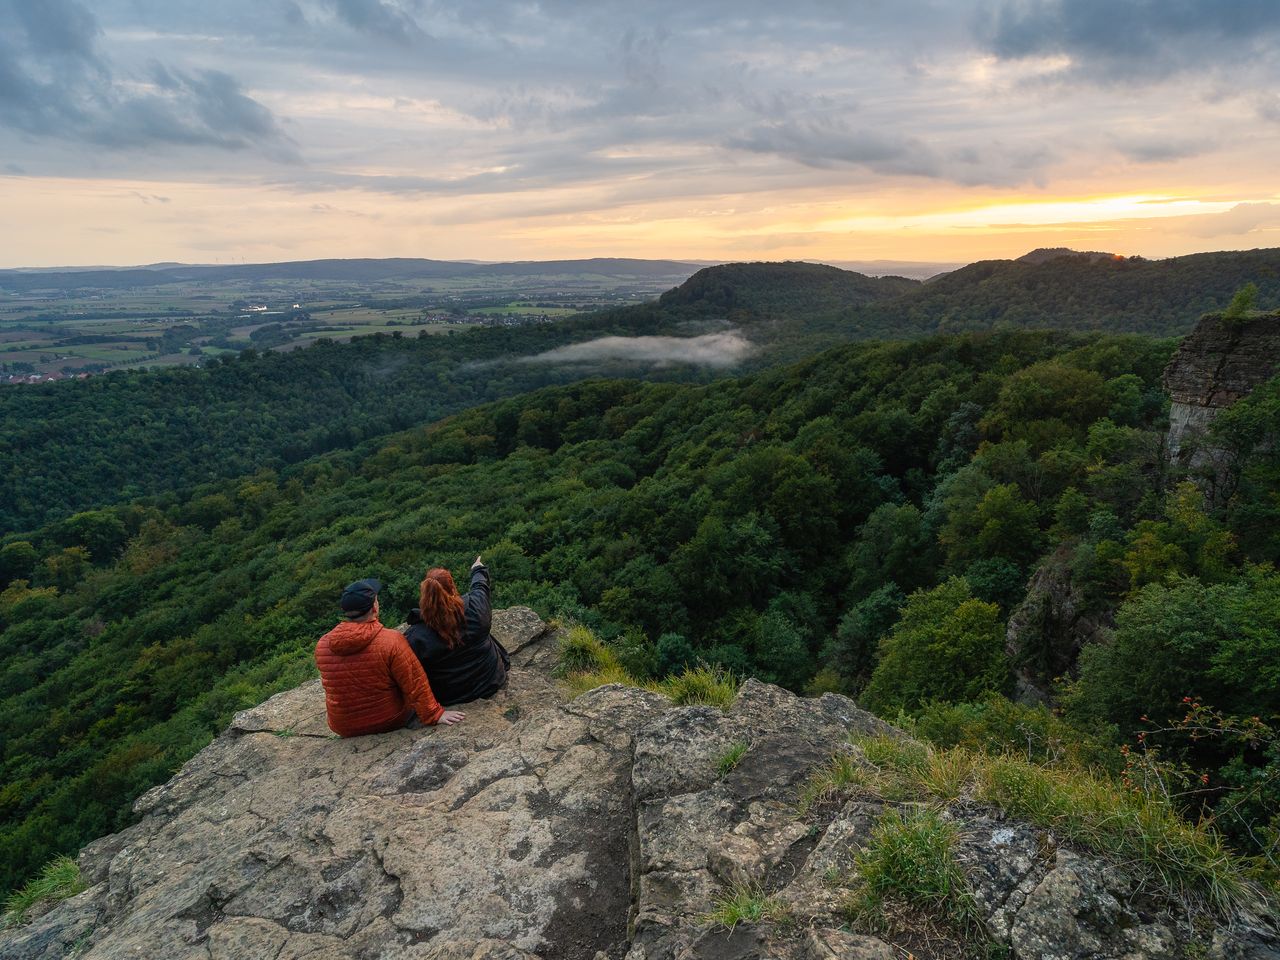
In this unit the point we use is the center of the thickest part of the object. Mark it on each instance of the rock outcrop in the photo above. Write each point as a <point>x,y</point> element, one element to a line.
<point>1049,628</point>
<point>608,826</point>
<point>1218,363</point>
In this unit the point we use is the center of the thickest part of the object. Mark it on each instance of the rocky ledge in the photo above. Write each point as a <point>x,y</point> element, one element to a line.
<point>1218,363</point>
<point>608,826</point>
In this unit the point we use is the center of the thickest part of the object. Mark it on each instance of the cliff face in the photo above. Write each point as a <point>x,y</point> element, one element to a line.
<point>1048,629</point>
<point>603,827</point>
<point>1218,363</point>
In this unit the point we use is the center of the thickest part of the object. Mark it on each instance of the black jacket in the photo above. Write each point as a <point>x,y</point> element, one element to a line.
<point>477,666</point>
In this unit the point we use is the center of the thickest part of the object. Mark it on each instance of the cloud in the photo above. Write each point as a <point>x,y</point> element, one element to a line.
<point>709,350</point>
<point>380,18</point>
<point>826,143</point>
<point>1109,40</point>
<point>56,84</point>
<point>1160,149</point>
<point>1241,219</point>
<point>1268,107</point>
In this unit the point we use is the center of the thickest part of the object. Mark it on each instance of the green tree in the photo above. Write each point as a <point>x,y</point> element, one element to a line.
<point>1242,303</point>
<point>17,561</point>
<point>947,646</point>
<point>1219,643</point>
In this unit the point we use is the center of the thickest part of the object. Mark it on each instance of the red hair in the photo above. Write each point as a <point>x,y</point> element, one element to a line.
<point>441,606</point>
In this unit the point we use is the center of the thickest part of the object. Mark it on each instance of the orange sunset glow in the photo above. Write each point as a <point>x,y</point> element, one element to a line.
<point>933,131</point>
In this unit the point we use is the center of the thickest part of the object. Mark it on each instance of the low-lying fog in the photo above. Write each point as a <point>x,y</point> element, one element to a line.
<point>710,350</point>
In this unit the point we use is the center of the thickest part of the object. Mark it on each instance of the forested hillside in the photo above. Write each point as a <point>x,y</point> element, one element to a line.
<point>1079,292</point>
<point>72,446</point>
<point>864,520</point>
<point>75,445</point>
<point>763,290</point>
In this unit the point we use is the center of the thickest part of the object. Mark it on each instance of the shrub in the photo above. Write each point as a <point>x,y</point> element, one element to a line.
<point>997,725</point>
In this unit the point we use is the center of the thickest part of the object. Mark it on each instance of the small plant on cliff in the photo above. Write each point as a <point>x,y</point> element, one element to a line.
<point>746,903</point>
<point>58,880</point>
<point>586,662</point>
<point>732,757</point>
<point>911,858</point>
<point>1189,862</point>
<point>701,686</point>
<point>581,651</point>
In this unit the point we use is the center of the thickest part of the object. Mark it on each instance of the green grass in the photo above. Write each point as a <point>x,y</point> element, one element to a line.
<point>700,686</point>
<point>745,904</point>
<point>1186,861</point>
<point>586,662</point>
<point>58,880</point>
<point>732,757</point>
<point>911,857</point>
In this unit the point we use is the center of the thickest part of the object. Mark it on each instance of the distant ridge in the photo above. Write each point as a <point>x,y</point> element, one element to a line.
<point>790,286</point>
<point>1046,254</point>
<point>1078,291</point>
<point>338,270</point>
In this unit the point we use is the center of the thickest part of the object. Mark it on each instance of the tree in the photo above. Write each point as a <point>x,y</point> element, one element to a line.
<point>17,561</point>
<point>1219,643</point>
<point>1242,303</point>
<point>947,646</point>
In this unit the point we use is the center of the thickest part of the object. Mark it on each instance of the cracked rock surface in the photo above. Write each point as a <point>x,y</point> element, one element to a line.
<point>602,828</point>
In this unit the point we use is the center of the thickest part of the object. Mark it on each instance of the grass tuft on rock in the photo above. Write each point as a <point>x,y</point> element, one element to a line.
<point>586,662</point>
<point>745,904</point>
<point>1186,861</point>
<point>911,858</point>
<point>732,757</point>
<point>582,652</point>
<point>58,879</point>
<point>700,686</point>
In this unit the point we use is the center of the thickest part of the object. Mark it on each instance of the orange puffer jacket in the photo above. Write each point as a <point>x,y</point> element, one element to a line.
<point>371,678</point>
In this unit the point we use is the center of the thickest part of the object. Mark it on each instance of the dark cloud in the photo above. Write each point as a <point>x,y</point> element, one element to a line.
<point>642,52</point>
<point>1159,149</point>
<point>55,83</point>
<point>58,27</point>
<point>1113,39</point>
<point>826,143</point>
<point>380,18</point>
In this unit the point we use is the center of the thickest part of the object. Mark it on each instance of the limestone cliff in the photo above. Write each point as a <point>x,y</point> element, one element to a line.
<point>601,827</point>
<point>1219,362</point>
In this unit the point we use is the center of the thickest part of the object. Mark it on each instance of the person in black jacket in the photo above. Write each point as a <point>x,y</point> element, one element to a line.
<point>450,636</point>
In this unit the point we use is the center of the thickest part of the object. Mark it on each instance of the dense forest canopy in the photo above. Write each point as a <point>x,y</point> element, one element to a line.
<point>848,522</point>
<point>74,446</point>
<point>1080,292</point>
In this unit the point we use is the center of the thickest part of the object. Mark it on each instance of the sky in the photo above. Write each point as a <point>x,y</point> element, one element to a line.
<point>139,131</point>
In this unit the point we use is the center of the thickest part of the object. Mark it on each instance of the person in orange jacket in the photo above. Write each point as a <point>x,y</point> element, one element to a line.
<point>372,681</point>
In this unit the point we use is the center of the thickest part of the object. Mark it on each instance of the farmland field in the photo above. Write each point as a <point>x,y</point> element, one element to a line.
<point>74,329</point>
